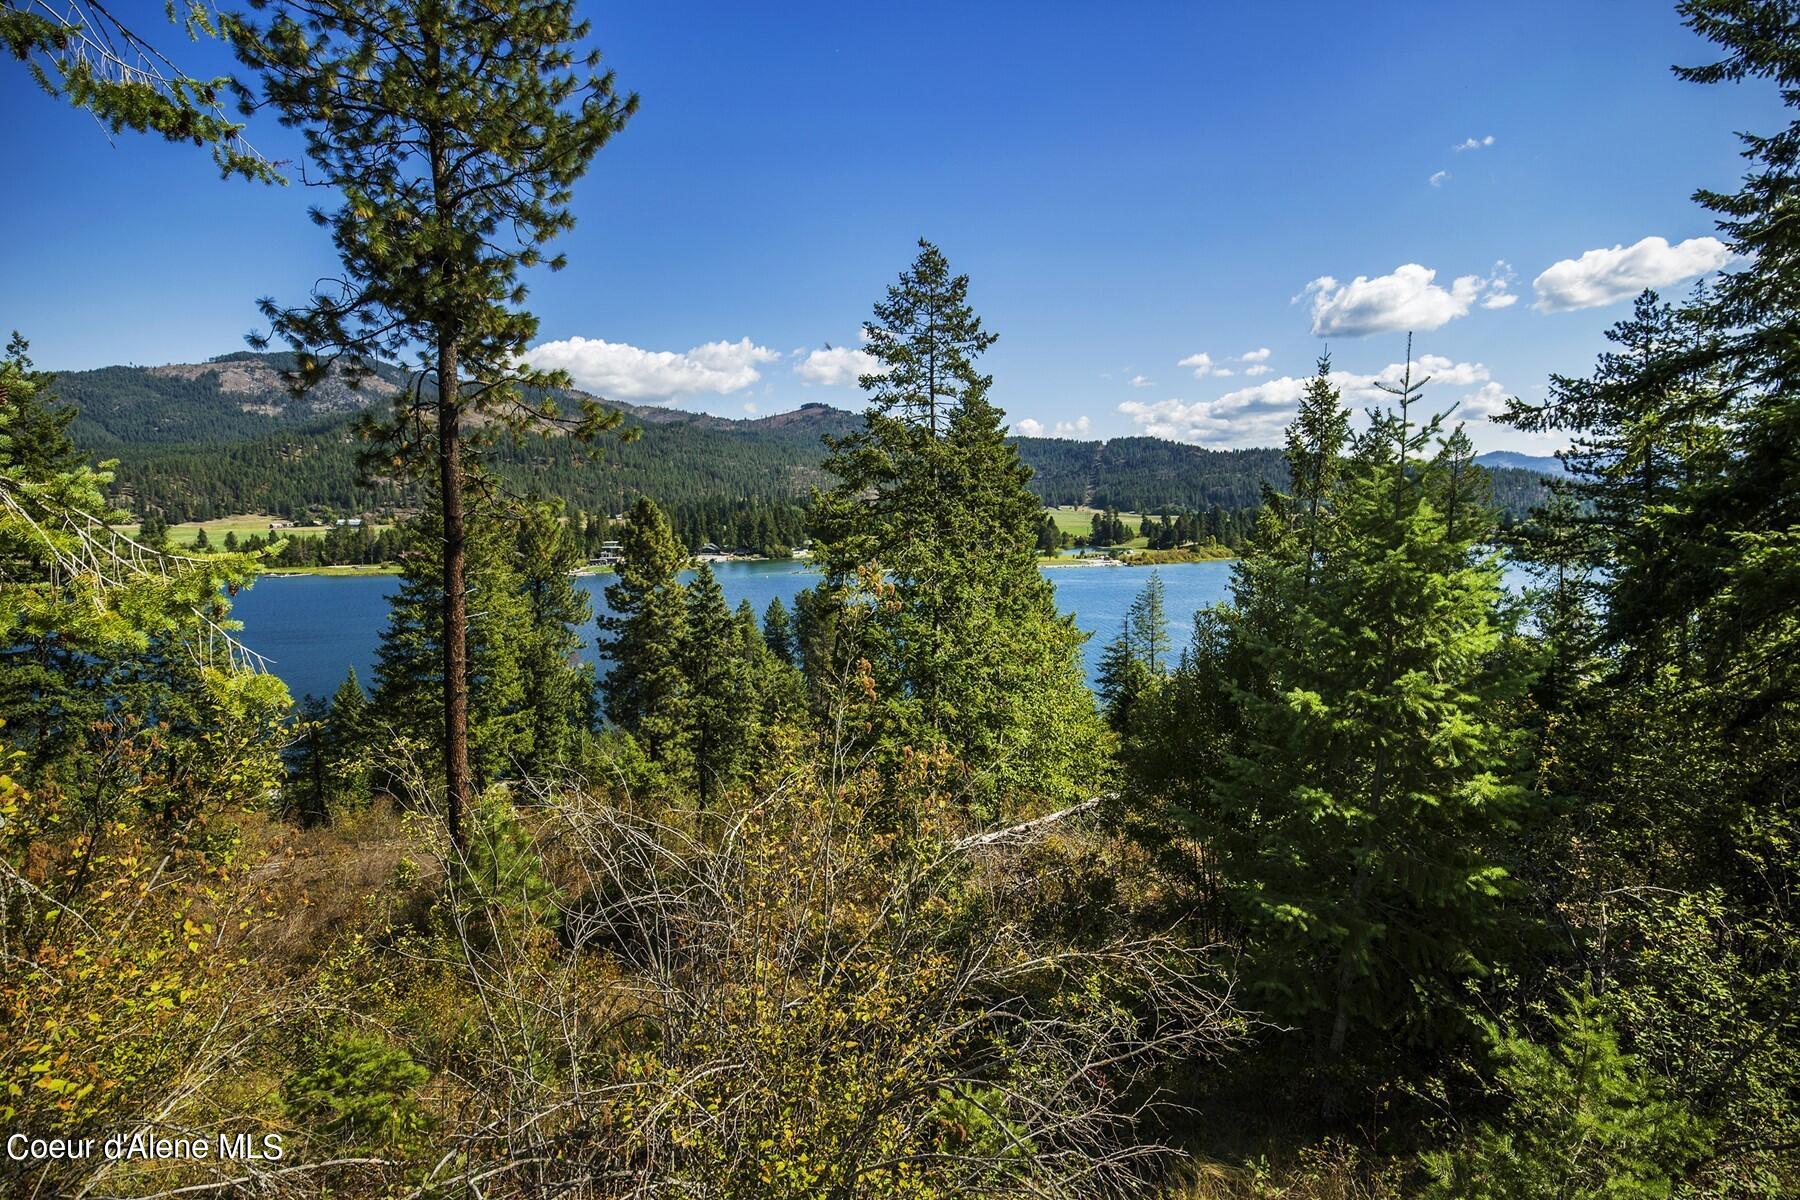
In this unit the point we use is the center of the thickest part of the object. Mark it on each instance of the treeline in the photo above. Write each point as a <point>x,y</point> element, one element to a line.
<point>306,466</point>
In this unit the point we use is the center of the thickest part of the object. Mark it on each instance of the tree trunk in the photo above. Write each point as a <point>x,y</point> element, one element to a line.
<point>456,613</point>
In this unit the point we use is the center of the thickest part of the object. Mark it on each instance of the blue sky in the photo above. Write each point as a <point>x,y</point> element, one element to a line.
<point>1130,187</point>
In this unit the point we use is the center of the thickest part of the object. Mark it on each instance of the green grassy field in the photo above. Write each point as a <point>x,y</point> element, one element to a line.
<point>243,525</point>
<point>1077,522</point>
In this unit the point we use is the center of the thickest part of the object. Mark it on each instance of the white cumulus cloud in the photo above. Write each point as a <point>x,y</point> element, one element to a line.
<point>1437,178</point>
<point>1259,414</point>
<point>1141,381</point>
<point>1473,143</point>
<point>618,371</point>
<point>1031,427</point>
<point>1407,299</point>
<point>837,365</point>
<point>1255,356</point>
<point>1603,276</point>
<point>1202,364</point>
<point>1258,369</point>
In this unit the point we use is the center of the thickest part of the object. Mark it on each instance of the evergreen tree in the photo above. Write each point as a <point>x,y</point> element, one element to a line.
<point>1123,679</point>
<point>777,685</point>
<point>455,131</point>
<point>308,756</point>
<point>134,640</point>
<point>1315,447</point>
<point>778,631</point>
<point>646,690</point>
<point>721,706</point>
<point>1146,626</point>
<point>1586,1122</point>
<point>88,57</point>
<point>559,689</point>
<point>409,686</point>
<point>932,538</point>
<point>349,738</point>
<point>1645,439</point>
<point>154,531</point>
<point>1345,751</point>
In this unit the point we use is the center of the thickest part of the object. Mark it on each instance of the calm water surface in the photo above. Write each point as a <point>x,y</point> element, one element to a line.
<point>316,627</point>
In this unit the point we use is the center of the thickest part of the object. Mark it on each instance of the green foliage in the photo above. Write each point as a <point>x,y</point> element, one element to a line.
<point>559,696</point>
<point>501,870</point>
<point>1585,1122</point>
<point>1109,530</point>
<point>778,632</point>
<point>646,688</point>
<point>1339,739</point>
<point>721,710</point>
<point>87,57</point>
<point>1137,659</point>
<point>361,1088</point>
<point>530,704</point>
<point>929,549</point>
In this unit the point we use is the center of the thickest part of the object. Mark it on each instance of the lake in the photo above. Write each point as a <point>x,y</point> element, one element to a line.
<point>314,628</point>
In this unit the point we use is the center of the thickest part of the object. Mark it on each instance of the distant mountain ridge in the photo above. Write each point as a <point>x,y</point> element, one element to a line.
<point>200,440</point>
<point>1543,464</point>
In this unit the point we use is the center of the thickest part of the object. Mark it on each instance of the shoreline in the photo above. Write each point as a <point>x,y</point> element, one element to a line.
<point>1141,559</point>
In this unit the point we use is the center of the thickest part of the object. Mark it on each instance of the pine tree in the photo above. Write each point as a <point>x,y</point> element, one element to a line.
<point>1146,625</point>
<point>140,636</point>
<point>1352,775</point>
<point>1315,447</point>
<point>455,131</point>
<point>932,538</point>
<point>349,738</point>
<point>721,705</point>
<point>646,690</point>
<point>1645,441</point>
<point>409,686</point>
<point>308,767</point>
<point>559,690</point>
<point>778,631</point>
<point>88,57</point>
<point>777,686</point>
<point>1123,679</point>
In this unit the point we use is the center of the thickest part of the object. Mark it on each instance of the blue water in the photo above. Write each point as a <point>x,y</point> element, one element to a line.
<point>314,628</point>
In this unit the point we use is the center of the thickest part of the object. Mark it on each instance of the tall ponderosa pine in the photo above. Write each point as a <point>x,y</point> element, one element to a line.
<point>646,688</point>
<point>931,537</point>
<point>409,683</point>
<point>454,130</point>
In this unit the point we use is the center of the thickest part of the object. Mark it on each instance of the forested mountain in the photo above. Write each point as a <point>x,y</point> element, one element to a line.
<point>202,440</point>
<point>1543,464</point>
